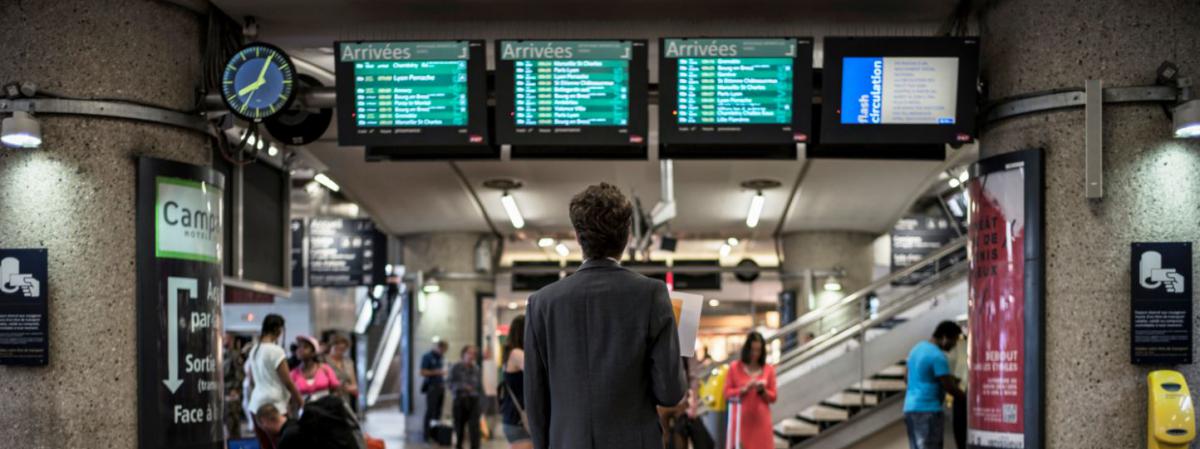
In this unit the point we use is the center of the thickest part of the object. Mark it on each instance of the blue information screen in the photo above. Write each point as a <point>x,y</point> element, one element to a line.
<point>899,90</point>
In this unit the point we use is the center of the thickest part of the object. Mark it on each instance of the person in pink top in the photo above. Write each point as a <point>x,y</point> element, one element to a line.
<point>315,379</point>
<point>750,389</point>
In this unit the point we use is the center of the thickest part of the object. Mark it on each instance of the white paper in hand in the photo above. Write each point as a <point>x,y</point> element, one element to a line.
<point>687,317</point>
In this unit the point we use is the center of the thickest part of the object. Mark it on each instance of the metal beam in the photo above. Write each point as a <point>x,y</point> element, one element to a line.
<point>111,109</point>
<point>1093,173</point>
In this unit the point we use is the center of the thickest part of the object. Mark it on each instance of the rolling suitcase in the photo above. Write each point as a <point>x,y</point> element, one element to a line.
<point>443,434</point>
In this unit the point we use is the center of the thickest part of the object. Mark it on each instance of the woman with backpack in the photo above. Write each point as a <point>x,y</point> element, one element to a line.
<point>512,390</point>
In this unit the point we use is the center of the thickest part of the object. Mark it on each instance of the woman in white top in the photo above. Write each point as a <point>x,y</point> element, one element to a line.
<point>270,382</point>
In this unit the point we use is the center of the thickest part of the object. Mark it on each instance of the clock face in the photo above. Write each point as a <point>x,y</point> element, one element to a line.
<point>258,82</point>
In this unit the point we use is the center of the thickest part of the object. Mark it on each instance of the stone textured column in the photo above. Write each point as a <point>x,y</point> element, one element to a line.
<point>449,314</point>
<point>1094,396</point>
<point>75,197</point>
<point>824,250</point>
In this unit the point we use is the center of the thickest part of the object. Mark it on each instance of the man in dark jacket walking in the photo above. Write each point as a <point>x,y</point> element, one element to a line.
<point>601,346</point>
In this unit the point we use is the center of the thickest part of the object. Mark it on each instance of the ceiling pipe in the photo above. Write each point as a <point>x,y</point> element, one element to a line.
<point>787,208</point>
<point>466,184</point>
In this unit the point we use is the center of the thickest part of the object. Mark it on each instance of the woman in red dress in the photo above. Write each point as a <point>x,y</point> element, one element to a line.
<point>750,389</point>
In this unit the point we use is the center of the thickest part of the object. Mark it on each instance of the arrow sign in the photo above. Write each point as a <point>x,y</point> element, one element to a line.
<point>174,285</point>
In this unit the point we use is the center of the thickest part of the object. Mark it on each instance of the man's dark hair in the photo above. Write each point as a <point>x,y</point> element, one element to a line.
<point>948,329</point>
<point>762,356</point>
<point>272,325</point>
<point>443,344</point>
<point>601,216</point>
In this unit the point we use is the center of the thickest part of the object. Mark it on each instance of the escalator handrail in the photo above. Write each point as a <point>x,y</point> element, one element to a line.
<point>853,298</point>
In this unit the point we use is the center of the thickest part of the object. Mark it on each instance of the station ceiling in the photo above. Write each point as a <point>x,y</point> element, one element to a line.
<point>412,197</point>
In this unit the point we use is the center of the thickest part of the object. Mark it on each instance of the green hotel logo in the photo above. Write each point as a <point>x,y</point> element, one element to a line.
<point>187,220</point>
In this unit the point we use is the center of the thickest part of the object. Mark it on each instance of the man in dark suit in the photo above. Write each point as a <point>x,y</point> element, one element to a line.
<point>601,347</point>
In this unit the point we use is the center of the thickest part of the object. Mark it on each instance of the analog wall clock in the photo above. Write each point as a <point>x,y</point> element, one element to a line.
<point>258,82</point>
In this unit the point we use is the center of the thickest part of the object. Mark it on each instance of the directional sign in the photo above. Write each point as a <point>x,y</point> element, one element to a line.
<point>181,393</point>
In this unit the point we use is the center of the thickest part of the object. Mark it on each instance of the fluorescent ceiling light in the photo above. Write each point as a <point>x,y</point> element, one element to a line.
<point>954,183</point>
<point>756,208</point>
<point>545,242</point>
<point>964,176</point>
<point>514,213</point>
<point>512,305</point>
<point>714,302</point>
<point>272,150</point>
<point>321,179</point>
<point>562,250</point>
<point>732,241</point>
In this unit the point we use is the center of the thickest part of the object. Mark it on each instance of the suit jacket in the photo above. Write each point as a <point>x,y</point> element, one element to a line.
<point>601,351</point>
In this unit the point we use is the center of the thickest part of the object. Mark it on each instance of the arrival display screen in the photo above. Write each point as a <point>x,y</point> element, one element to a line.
<point>900,90</point>
<point>571,92</point>
<point>734,92</point>
<point>427,93</point>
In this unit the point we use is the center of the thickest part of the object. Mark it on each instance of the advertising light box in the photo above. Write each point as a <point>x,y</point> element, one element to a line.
<point>900,90</point>
<point>412,94</point>
<point>723,92</point>
<point>571,93</point>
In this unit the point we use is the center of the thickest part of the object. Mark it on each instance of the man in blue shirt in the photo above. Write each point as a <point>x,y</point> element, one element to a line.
<point>929,380</point>
<point>433,369</point>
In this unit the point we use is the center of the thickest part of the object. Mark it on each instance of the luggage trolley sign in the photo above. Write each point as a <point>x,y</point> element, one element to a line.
<point>1161,308</point>
<point>180,388</point>
<point>24,334</point>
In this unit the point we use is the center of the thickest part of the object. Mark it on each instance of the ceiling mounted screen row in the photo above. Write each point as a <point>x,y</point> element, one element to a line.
<point>718,97</point>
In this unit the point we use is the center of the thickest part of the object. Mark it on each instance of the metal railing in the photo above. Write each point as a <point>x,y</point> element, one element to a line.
<point>853,308</point>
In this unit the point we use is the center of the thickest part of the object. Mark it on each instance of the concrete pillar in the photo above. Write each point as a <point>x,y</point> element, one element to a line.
<point>449,314</point>
<point>1094,396</point>
<point>75,197</point>
<point>823,251</point>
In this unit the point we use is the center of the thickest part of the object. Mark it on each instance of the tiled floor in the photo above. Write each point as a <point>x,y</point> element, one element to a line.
<point>388,425</point>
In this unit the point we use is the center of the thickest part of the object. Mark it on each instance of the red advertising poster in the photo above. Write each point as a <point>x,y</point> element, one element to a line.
<point>996,383</point>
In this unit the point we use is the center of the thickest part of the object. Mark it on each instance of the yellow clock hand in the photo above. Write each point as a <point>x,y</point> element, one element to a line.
<point>263,73</point>
<point>250,88</point>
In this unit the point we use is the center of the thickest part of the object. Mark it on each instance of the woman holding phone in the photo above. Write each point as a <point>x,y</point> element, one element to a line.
<point>750,388</point>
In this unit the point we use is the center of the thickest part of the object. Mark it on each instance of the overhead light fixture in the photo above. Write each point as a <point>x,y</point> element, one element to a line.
<point>832,284</point>
<point>312,187</point>
<point>321,179</point>
<point>758,201</point>
<point>755,212</point>
<point>545,242</point>
<point>1186,120</point>
<point>725,249</point>
<point>954,183</point>
<point>510,208</point>
<point>964,176</point>
<point>431,286</point>
<point>21,131</point>
<point>512,305</point>
<point>562,250</point>
<point>272,150</point>
<point>714,302</point>
<point>506,186</point>
<point>732,241</point>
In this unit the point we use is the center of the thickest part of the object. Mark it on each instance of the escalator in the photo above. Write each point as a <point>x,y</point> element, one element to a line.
<point>847,382</point>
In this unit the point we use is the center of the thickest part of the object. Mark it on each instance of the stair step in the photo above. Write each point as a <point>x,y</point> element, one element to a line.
<point>883,385</point>
<point>824,414</point>
<point>795,428</point>
<point>899,370</point>
<point>853,399</point>
<point>781,443</point>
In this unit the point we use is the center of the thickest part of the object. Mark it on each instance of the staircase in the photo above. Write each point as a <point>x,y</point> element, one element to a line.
<point>849,381</point>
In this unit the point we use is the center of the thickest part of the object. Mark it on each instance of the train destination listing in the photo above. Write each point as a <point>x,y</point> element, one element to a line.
<point>733,81</point>
<point>570,83</point>
<point>404,84</point>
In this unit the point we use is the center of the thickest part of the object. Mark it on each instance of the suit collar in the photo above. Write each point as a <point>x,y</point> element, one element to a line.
<point>606,262</point>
